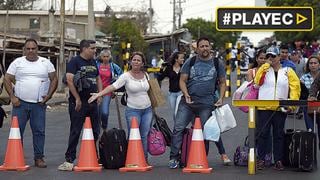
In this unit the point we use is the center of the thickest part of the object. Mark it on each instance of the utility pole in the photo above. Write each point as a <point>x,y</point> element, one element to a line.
<point>51,25</point>
<point>179,13</point>
<point>74,10</point>
<point>151,12</point>
<point>4,43</point>
<point>91,25</point>
<point>62,62</point>
<point>174,27</point>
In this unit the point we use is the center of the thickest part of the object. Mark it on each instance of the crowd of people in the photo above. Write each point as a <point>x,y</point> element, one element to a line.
<point>278,73</point>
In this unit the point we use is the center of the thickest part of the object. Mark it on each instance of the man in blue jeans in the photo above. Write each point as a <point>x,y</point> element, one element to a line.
<point>197,84</point>
<point>35,82</point>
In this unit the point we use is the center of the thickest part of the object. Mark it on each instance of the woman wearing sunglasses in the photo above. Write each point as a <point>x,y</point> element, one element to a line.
<point>276,83</point>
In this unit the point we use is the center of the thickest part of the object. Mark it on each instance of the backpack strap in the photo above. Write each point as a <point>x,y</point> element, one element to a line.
<point>192,61</point>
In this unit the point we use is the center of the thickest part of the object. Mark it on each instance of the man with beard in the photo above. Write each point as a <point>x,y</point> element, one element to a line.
<point>197,83</point>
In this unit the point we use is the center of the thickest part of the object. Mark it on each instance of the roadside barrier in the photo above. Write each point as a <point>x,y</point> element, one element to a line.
<point>14,159</point>
<point>135,160</point>
<point>197,158</point>
<point>88,159</point>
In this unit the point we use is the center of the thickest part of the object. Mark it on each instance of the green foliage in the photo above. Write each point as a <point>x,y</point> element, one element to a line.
<point>124,30</point>
<point>299,35</point>
<point>208,29</point>
<point>16,4</point>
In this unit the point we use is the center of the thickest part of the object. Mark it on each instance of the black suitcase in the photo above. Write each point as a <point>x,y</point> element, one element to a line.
<point>300,149</point>
<point>113,145</point>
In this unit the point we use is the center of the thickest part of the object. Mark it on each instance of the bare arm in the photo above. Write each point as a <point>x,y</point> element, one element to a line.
<point>183,86</point>
<point>53,86</point>
<point>8,81</point>
<point>250,75</point>
<point>105,91</point>
<point>73,91</point>
<point>222,88</point>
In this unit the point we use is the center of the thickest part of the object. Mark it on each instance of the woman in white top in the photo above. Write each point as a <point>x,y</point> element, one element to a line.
<point>138,101</point>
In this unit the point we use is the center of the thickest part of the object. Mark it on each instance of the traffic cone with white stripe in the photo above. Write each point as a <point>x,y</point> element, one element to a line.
<point>197,158</point>
<point>135,160</point>
<point>14,159</point>
<point>88,160</point>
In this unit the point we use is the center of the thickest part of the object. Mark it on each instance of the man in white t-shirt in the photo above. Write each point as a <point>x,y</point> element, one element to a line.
<point>35,82</point>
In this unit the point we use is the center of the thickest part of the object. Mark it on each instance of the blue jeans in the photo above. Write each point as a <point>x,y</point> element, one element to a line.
<point>36,112</point>
<point>172,98</point>
<point>77,119</point>
<point>144,118</point>
<point>277,123</point>
<point>104,111</point>
<point>186,113</point>
<point>307,119</point>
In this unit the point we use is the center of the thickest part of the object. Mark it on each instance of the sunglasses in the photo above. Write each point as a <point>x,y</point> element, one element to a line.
<point>270,55</point>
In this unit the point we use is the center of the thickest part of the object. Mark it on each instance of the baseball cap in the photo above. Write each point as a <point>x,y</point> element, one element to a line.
<point>272,50</point>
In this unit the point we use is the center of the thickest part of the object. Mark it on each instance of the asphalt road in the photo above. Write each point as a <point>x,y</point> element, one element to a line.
<point>57,131</point>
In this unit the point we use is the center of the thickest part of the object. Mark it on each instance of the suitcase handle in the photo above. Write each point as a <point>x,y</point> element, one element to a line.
<point>118,110</point>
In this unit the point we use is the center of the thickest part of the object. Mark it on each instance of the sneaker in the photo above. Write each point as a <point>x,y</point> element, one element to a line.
<point>278,166</point>
<point>226,161</point>
<point>260,165</point>
<point>173,164</point>
<point>66,166</point>
<point>40,163</point>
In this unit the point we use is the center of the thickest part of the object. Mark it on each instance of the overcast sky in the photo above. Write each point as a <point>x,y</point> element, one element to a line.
<point>164,10</point>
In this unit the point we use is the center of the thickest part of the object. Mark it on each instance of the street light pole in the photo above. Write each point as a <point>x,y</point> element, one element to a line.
<point>62,62</point>
<point>91,25</point>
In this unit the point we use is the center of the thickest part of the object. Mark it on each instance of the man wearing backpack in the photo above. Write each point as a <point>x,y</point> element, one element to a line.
<point>197,83</point>
<point>80,91</point>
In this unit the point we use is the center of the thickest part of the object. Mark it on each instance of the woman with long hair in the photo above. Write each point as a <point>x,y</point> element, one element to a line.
<point>172,71</point>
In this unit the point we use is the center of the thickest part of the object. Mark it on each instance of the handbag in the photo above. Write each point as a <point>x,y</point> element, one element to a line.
<point>249,93</point>
<point>238,93</point>
<point>161,123</point>
<point>240,157</point>
<point>156,142</point>
<point>211,130</point>
<point>123,99</point>
<point>225,118</point>
<point>155,94</point>
<point>4,96</point>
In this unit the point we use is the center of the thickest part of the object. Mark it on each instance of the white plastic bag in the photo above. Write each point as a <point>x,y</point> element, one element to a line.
<point>211,130</point>
<point>225,118</point>
<point>177,104</point>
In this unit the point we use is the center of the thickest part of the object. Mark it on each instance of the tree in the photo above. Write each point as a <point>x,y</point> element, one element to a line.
<point>124,30</point>
<point>16,5</point>
<point>299,35</point>
<point>208,29</point>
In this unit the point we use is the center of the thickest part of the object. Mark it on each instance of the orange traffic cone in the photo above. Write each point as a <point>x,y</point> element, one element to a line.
<point>197,159</point>
<point>135,160</point>
<point>14,159</point>
<point>88,160</point>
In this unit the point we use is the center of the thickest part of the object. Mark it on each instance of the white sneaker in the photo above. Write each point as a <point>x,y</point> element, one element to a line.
<point>66,166</point>
<point>225,159</point>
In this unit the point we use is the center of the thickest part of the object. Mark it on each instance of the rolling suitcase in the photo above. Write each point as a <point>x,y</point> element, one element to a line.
<point>113,145</point>
<point>186,141</point>
<point>300,148</point>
